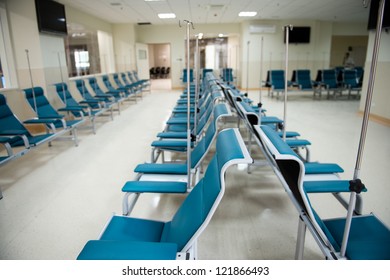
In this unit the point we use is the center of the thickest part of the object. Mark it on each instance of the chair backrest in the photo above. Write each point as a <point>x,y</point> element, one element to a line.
<point>184,77</point>
<point>8,120</point>
<point>350,78</point>
<point>277,79</point>
<point>199,206</point>
<point>95,86</point>
<point>204,145</point>
<point>107,83</point>
<point>329,78</point>
<point>67,98</point>
<point>292,171</point>
<point>116,79</point>
<point>80,85</point>
<point>303,79</point>
<point>39,103</point>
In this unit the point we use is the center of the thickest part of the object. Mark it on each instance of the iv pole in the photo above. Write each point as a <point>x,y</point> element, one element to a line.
<point>356,181</point>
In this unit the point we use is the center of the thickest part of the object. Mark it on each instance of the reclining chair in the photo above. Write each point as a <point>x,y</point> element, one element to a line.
<point>54,122</point>
<point>368,237</point>
<point>89,107</point>
<point>17,133</point>
<point>129,238</point>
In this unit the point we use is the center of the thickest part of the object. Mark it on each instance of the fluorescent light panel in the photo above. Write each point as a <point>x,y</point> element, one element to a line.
<point>166,15</point>
<point>247,14</point>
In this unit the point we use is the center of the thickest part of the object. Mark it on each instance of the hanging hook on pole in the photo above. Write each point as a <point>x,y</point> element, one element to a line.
<point>287,29</point>
<point>31,81</point>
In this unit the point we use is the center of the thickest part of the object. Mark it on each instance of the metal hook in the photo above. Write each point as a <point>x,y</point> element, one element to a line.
<point>188,23</point>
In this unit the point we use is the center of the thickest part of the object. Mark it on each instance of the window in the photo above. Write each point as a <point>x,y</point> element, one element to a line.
<point>7,67</point>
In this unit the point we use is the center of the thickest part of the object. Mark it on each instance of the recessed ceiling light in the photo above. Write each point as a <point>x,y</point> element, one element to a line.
<point>167,15</point>
<point>247,14</point>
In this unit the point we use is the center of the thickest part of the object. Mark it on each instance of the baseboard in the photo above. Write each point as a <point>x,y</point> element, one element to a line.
<point>377,119</point>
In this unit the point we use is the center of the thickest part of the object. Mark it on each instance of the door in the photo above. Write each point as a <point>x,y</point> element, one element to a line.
<point>142,58</point>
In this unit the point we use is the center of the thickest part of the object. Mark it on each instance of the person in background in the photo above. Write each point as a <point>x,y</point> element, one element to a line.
<point>348,61</point>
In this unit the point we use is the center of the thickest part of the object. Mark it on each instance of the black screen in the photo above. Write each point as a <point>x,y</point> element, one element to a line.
<point>51,17</point>
<point>298,35</point>
<point>373,17</point>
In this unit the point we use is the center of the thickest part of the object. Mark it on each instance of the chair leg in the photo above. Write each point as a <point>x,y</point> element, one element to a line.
<point>75,136</point>
<point>300,240</point>
<point>127,207</point>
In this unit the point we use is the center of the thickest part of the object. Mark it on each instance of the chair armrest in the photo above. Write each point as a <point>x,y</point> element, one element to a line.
<point>12,132</point>
<point>41,121</point>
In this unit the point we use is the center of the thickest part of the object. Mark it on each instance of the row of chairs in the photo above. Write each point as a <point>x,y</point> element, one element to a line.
<point>16,136</point>
<point>333,81</point>
<point>365,237</point>
<point>131,238</point>
<point>159,72</point>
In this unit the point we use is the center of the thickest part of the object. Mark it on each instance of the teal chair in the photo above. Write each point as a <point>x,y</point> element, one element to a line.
<point>55,122</point>
<point>10,125</point>
<point>129,238</point>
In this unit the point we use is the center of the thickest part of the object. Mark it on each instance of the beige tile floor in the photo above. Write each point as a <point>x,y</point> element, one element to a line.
<point>57,198</point>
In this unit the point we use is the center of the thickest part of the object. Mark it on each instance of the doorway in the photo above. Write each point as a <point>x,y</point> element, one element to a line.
<point>160,66</point>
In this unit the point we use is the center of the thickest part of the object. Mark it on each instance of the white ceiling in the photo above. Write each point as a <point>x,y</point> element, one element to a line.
<point>221,11</point>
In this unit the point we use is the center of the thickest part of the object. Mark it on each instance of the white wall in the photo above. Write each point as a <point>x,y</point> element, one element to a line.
<point>381,95</point>
<point>124,41</point>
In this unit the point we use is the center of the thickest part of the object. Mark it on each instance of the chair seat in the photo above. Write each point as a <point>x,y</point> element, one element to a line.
<point>369,238</point>
<point>133,229</point>
<point>322,168</point>
<point>130,250</point>
<point>157,168</point>
<point>155,187</point>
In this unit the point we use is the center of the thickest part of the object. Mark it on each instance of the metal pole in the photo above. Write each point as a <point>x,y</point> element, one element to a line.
<point>196,69</point>
<point>31,81</point>
<point>363,133</point>
<point>62,80</point>
<point>261,70</point>
<point>247,66</point>
<point>189,23</point>
<point>287,28</point>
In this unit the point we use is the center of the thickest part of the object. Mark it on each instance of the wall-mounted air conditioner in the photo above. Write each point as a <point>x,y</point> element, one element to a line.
<point>261,28</point>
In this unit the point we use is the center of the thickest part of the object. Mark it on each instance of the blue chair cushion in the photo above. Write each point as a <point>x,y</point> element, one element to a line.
<point>369,238</point>
<point>132,229</point>
<point>130,250</point>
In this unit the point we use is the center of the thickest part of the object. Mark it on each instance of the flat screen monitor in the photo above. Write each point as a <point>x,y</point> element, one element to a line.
<point>51,17</point>
<point>298,35</point>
